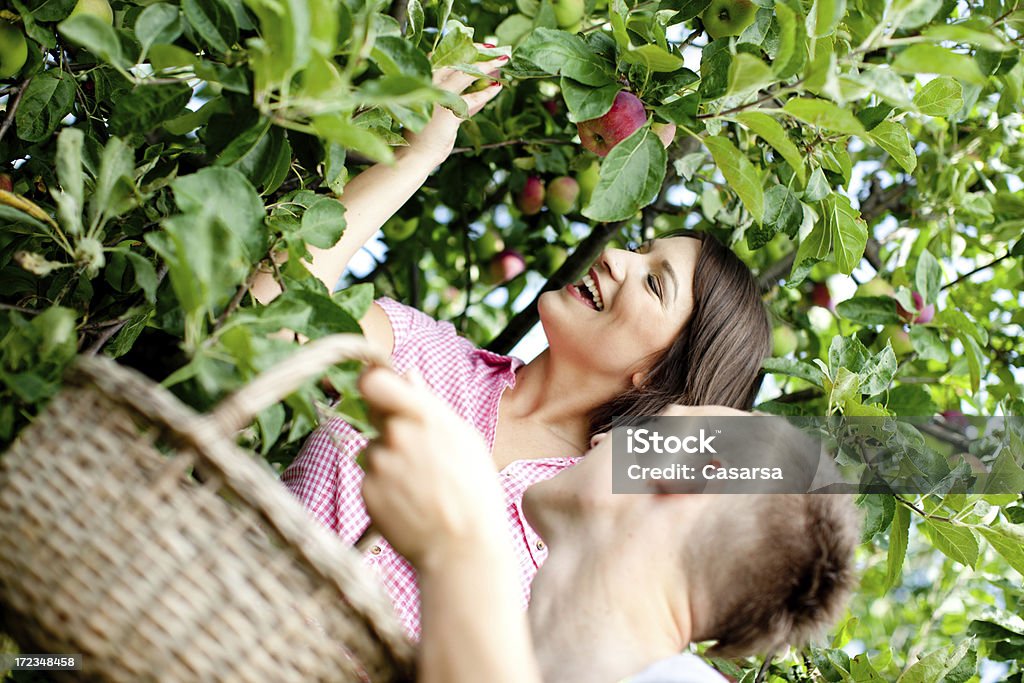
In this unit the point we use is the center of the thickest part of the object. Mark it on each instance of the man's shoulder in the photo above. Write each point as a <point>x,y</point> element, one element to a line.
<point>682,668</point>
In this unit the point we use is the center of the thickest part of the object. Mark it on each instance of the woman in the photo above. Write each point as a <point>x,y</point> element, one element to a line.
<point>679,320</point>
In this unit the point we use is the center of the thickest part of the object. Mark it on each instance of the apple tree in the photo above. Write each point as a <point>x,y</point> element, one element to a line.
<point>863,157</point>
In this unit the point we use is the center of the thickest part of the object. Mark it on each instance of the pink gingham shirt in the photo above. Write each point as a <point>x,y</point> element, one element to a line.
<point>328,481</point>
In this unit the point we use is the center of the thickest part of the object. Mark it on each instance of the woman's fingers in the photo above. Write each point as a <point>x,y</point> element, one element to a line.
<point>389,394</point>
<point>456,81</point>
<point>475,101</point>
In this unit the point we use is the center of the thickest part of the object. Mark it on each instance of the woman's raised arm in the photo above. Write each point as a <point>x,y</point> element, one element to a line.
<point>373,196</point>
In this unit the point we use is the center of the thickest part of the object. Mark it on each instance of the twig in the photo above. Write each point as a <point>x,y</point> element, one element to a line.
<point>921,512</point>
<point>748,105</point>
<point>236,300</point>
<point>509,143</point>
<point>976,270</point>
<point>19,309</point>
<point>103,338</point>
<point>9,119</point>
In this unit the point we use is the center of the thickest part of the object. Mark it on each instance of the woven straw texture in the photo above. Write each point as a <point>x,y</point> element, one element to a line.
<point>135,532</point>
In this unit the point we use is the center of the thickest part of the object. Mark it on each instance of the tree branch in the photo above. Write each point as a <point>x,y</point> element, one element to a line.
<point>9,119</point>
<point>512,143</point>
<point>976,270</point>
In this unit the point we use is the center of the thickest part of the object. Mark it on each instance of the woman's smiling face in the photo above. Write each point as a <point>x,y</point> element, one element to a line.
<point>630,306</point>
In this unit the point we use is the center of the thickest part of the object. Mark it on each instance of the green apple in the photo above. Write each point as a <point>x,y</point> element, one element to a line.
<point>13,50</point>
<point>567,12</point>
<point>562,193</point>
<point>898,337</point>
<point>784,341</point>
<point>876,286</point>
<point>550,258</point>
<point>724,18</point>
<point>98,8</point>
<point>488,244</point>
<point>397,229</point>
<point>587,179</point>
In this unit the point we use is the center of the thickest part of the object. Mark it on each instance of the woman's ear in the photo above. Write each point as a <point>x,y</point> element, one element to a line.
<point>638,380</point>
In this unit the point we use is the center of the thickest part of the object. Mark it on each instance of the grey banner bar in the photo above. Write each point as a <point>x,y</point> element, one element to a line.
<point>775,454</point>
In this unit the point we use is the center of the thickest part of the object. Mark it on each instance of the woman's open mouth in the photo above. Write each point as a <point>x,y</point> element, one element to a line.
<point>588,292</point>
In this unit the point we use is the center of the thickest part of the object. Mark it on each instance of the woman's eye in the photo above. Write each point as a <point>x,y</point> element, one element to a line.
<point>632,246</point>
<point>652,282</point>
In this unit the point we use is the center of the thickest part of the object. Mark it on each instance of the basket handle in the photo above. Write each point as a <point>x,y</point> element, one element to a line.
<point>239,409</point>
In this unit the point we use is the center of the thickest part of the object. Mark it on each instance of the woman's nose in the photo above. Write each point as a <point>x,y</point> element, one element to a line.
<point>612,260</point>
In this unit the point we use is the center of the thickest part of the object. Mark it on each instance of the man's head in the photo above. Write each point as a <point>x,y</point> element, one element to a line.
<point>753,571</point>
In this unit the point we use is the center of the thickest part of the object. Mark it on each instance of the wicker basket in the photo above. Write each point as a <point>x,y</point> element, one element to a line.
<point>134,531</point>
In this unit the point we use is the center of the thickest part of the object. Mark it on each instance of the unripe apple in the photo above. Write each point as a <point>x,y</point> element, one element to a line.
<point>531,197</point>
<point>98,8</point>
<point>398,229</point>
<point>728,17</point>
<point>562,193</point>
<point>488,244</point>
<point>6,184</point>
<point>924,313</point>
<point>784,341</point>
<point>601,134</point>
<point>13,50</point>
<point>876,286</point>
<point>550,259</point>
<point>820,296</point>
<point>898,337</point>
<point>506,265</point>
<point>588,179</point>
<point>666,132</point>
<point>567,12</point>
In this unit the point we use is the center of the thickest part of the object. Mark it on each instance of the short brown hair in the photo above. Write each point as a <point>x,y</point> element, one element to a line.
<point>716,359</point>
<point>781,579</point>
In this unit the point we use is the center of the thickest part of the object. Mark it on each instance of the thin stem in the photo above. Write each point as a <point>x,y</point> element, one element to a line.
<point>938,518</point>
<point>9,119</point>
<point>976,270</point>
<point>510,143</point>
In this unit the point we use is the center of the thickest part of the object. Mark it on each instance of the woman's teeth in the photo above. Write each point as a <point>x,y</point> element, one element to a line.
<point>594,291</point>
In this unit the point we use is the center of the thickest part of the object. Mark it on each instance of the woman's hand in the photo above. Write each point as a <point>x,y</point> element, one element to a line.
<point>437,138</point>
<point>430,486</point>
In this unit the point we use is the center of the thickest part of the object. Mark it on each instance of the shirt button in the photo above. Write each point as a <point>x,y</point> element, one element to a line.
<point>375,550</point>
<point>540,545</point>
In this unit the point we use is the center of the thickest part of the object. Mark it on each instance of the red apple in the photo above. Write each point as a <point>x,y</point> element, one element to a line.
<point>531,197</point>
<point>506,265</point>
<point>6,184</point>
<point>552,107</point>
<point>924,313</point>
<point>955,419</point>
<point>820,296</point>
<point>562,194</point>
<point>601,134</point>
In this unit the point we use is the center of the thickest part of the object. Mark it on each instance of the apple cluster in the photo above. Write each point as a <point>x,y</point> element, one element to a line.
<point>560,195</point>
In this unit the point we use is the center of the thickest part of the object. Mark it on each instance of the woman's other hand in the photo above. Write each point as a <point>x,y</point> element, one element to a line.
<point>437,139</point>
<point>430,486</point>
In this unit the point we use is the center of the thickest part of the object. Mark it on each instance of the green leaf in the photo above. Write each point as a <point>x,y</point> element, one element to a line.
<point>686,9</point>
<point>564,54</point>
<point>793,368</point>
<point>158,23</point>
<point>941,96</point>
<point>323,223</point>
<point>739,173</point>
<point>748,74</point>
<point>456,47</point>
<point>792,52</point>
<point>817,187</point>
<point>881,509</point>
<point>782,211</point>
<point>355,300</point>
<point>396,56</point>
<point>226,194</point>
<point>894,139</point>
<point>932,59</point>
<point>69,165</point>
<point>847,352</point>
<point>653,57</point>
<point>213,21</point>
<point>913,13</point>
<point>977,34</point>
<point>935,665</point>
<point>898,534</point>
<point>145,275</point>
<point>339,129</point>
<point>714,69</point>
<point>956,542</point>
<point>48,99</point>
<point>585,102</point>
<point>1008,541</point>
<point>850,232</point>
<point>147,106</point>
<point>115,184</point>
<point>928,277</point>
<point>96,36</point>
<point>824,17</point>
<point>878,372</point>
<point>631,177</point>
<point>869,310</point>
<point>824,115</point>
<point>772,132</point>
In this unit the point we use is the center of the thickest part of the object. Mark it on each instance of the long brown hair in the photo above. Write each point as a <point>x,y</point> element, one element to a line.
<point>716,359</point>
